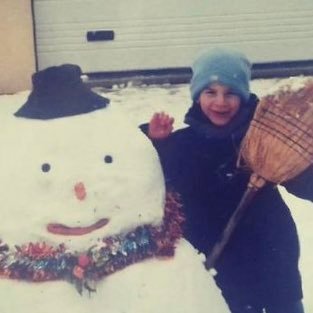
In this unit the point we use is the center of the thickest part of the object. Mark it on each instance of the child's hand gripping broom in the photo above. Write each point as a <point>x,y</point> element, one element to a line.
<point>277,147</point>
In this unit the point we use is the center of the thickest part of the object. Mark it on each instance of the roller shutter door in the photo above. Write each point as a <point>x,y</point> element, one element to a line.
<point>115,35</point>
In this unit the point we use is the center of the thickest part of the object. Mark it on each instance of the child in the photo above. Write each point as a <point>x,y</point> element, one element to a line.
<point>258,270</point>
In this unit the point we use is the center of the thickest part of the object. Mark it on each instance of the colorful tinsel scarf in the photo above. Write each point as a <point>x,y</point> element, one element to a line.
<point>38,262</point>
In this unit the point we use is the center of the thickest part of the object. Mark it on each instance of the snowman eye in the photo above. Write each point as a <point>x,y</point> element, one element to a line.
<point>108,159</point>
<point>45,167</point>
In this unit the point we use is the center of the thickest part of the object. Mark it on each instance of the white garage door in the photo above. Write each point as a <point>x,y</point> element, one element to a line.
<point>115,35</point>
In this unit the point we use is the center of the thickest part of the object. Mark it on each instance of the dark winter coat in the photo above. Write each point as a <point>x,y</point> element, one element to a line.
<point>260,263</point>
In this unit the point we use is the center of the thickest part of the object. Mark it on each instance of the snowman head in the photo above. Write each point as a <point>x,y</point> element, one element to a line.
<point>77,178</point>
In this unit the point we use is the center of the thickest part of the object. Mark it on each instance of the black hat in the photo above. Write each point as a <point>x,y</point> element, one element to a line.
<point>59,91</point>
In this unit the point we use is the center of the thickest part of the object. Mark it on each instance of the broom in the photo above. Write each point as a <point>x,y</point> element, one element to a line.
<point>277,147</point>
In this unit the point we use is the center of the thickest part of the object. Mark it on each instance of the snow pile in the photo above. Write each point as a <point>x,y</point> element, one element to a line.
<point>128,191</point>
<point>60,179</point>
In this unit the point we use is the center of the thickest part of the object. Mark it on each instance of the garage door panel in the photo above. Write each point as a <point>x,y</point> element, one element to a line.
<point>161,34</point>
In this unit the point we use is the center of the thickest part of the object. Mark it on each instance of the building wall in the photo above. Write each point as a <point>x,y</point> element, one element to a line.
<point>162,34</point>
<point>17,52</point>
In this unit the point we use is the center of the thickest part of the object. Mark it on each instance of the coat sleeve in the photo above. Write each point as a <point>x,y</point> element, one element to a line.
<point>302,185</point>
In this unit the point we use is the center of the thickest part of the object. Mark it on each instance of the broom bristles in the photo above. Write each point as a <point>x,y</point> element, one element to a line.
<point>279,143</point>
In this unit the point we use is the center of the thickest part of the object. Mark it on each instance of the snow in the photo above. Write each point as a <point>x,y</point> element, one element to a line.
<point>151,286</point>
<point>78,191</point>
<point>75,149</point>
<point>138,104</point>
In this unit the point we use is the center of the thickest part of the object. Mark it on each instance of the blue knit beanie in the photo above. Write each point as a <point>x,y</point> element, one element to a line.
<point>227,67</point>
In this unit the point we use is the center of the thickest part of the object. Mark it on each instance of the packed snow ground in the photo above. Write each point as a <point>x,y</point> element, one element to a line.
<point>141,102</point>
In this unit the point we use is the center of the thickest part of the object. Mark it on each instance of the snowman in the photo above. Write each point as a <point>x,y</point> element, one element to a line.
<point>86,223</point>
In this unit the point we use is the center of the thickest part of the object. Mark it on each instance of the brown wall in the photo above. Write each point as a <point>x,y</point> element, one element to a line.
<point>17,53</point>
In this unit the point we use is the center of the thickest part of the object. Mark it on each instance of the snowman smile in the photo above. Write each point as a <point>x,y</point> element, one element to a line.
<point>60,229</point>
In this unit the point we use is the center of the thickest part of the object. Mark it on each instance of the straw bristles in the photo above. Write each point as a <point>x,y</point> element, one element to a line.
<point>279,143</point>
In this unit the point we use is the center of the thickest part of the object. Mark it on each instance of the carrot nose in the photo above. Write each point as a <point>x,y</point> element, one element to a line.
<point>80,191</point>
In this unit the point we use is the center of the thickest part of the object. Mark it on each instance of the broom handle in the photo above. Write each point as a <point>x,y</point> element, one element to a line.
<point>255,183</point>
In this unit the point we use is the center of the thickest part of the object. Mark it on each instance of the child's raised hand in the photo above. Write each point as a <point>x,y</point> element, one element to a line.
<point>160,126</point>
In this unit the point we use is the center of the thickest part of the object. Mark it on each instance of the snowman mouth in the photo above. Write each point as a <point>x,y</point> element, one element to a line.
<point>60,229</point>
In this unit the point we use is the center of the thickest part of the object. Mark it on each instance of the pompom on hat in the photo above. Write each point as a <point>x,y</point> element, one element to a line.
<point>227,67</point>
<point>59,91</point>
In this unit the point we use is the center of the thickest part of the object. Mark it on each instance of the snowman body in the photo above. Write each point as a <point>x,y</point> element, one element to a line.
<point>74,181</point>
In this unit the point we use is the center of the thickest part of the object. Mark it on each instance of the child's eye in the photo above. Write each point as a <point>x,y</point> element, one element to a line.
<point>231,94</point>
<point>108,159</point>
<point>209,92</point>
<point>45,167</point>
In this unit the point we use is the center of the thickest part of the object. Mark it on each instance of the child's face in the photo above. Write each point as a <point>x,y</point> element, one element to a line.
<point>219,104</point>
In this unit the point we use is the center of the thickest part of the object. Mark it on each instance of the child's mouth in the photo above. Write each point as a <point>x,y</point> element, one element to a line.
<point>221,113</point>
